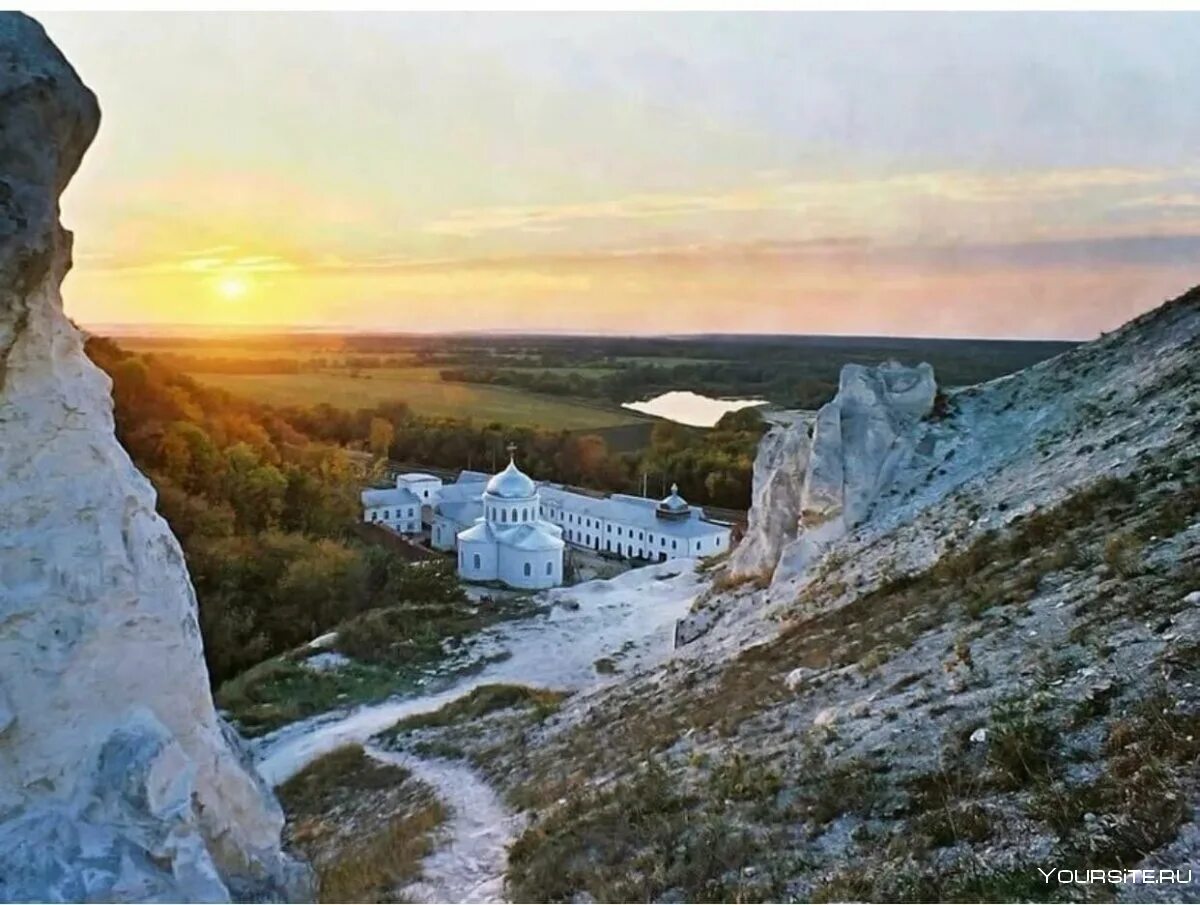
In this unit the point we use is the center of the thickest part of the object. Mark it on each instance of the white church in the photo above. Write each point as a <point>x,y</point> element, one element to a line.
<point>510,529</point>
<point>510,542</point>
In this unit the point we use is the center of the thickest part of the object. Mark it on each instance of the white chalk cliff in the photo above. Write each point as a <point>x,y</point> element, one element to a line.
<point>815,479</point>
<point>118,781</point>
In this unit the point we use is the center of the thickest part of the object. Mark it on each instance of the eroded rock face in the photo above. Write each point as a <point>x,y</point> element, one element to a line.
<point>778,488</point>
<point>815,481</point>
<point>117,778</point>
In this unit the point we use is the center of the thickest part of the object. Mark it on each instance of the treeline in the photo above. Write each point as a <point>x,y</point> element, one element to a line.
<point>261,509</point>
<point>792,372</point>
<point>219,364</point>
<point>630,382</point>
<point>712,467</point>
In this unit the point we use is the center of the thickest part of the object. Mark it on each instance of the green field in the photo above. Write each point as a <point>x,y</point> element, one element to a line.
<point>425,394</point>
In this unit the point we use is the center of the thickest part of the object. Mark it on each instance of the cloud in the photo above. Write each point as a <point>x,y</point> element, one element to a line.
<point>810,196</point>
<point>204,261</point>
<point>1168,200</point>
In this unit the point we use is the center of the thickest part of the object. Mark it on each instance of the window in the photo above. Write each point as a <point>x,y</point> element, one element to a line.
<point>524,515</point>
<point>410,512</point>
<point>477,561</point>
<point>387,513</point>
<point>663,541</point>
<point>549,567</point>
<point>504,515</point>
<point>673,546</point>
<point>641,536</point>
<point>528,569</point>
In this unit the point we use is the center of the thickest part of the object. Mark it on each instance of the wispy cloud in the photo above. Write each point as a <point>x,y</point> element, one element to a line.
<point>809,196</point>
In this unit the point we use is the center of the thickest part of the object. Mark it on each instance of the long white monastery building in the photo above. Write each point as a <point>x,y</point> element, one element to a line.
<point>634,527</point>
<point>508,528</point>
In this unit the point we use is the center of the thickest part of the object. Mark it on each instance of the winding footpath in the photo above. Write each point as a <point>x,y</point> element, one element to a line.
<point>632,616</point>
<point>470,866</point>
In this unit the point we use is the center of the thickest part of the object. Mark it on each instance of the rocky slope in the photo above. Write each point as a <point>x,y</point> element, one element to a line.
<point>991,666</point>
<point>117,779</point>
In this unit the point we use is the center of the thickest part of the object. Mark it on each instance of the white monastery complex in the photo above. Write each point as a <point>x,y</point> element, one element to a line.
<point>511,529</point>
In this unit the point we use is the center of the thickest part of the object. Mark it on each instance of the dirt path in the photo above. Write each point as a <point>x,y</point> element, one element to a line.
<point>631,618</point>
<point>470,864</point>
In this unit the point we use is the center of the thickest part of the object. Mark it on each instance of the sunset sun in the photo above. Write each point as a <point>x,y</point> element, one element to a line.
<point>232,288</point>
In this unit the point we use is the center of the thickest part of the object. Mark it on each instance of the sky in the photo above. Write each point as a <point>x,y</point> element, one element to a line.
<point>1009,175</point>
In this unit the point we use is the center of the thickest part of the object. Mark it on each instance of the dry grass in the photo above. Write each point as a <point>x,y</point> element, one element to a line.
<point>481,701</point>
<point>374,868</point>
<point>364,825</point>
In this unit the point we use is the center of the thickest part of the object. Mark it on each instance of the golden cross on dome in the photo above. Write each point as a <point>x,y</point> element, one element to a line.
<point>512,450</point>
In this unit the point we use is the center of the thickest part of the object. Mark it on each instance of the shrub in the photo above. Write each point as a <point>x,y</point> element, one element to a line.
<point>1021,744</point>
<point>1122,554</point>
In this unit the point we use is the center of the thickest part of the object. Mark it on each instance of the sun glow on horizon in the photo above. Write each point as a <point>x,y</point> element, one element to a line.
<point>232,288</point>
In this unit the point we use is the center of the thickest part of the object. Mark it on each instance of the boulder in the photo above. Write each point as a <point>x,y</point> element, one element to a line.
<point>117,779</point>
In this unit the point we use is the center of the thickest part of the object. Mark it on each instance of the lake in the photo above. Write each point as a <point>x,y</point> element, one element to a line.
<point>686,407</point>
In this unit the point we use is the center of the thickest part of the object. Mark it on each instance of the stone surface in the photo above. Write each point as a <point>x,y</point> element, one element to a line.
<point>815,481</point>
<point>117,778</point>
<point>778,485</point>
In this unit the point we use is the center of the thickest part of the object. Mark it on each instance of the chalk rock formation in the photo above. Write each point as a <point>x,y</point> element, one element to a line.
<point>778,488</point>
<point>118,781</point>
<point>855,446</point>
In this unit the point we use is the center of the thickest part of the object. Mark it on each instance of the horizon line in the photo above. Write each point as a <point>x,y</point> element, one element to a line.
<point>142,330</point>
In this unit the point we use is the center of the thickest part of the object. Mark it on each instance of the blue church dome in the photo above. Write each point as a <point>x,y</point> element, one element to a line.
<point>511,484</point>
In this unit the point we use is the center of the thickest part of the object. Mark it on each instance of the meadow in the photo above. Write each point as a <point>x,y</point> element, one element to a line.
<point>425,393</point>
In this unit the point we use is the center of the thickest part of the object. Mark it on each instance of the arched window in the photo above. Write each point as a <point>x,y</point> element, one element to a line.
<point>524,515</point>
<point>528,569</point>
<point>477,564</point>
<point>504,515</point>
<point>514,517</point>
<point>549,567</point>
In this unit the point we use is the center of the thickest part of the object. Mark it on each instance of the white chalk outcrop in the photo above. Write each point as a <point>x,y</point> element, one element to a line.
<point>778,488</point>
<point>118,781</point>
<point>816,479</point>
